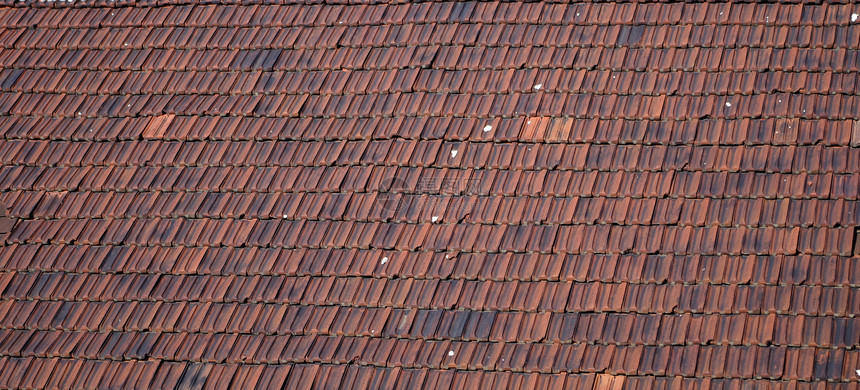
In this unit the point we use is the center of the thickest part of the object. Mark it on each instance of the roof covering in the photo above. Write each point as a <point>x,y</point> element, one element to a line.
<point>607,196</point>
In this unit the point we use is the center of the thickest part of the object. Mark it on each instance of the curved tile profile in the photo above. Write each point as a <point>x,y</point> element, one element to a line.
<point>429,194</point>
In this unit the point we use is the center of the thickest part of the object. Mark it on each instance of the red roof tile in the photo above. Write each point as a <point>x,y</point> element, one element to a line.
<point>607,195</point>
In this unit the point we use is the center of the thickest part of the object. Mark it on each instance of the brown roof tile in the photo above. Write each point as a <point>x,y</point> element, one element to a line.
<point>630,195</point>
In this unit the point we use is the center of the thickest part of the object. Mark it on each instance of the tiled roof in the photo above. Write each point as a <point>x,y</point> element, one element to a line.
<point>607,196</point>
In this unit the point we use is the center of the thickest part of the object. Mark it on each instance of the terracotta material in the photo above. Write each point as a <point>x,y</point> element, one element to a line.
<point>429,195</point>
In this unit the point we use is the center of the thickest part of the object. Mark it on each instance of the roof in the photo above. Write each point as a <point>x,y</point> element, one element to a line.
<point>632,195</point>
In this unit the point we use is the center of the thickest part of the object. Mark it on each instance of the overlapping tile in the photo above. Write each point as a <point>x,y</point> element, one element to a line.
<point>589,195</point>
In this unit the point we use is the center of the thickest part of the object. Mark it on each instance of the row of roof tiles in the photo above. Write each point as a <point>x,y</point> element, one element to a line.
<point>640,269</point>
<point>181,273</point>
<point>440,187</point>
<point>439,237</point>
<point>421,293</point>
<point>432,81</point>
<point>251,156</point>
<point>169,129</point>
<point>513,210</point>
<point>45,321</point>
<point>712,59</point>
<point>813,106</point>
<point>84,373</point>
<point>498,34</point>
<point>688,361</point>
<point>81,373</point>
<point>431,12</point>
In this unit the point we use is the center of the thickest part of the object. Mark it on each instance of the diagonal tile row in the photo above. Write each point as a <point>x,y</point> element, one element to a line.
<point>167,130</point>
<point>833,107</point>
<point>86,373</point>
<point>687,361</point>
<point>52,320</point>
<point>374,81</point>
<point>432,188</point>
<point>523,155</point>
<point>130,261</point>
<point>428,293</point>
<point>415,208</point>
<point>294,14</point>
<point>422,34</point>
<point>607,238</point>
<point>450,57</point>
<point>290,13</point>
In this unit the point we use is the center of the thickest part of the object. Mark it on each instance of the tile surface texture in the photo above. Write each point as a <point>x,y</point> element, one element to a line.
<point>439,195</point>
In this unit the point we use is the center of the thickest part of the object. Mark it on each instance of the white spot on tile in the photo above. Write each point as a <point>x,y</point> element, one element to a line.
<point>384,260</point>
<point>453,153</point>
<point>857,372</point>
<point>434,219</point>
<point>450,353</point>
<point>529,122</point>
<point>854,17</point>
<point>285,216</point>
<point>487,128</point>
<point>728,104</point>
<point>538,86</point>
